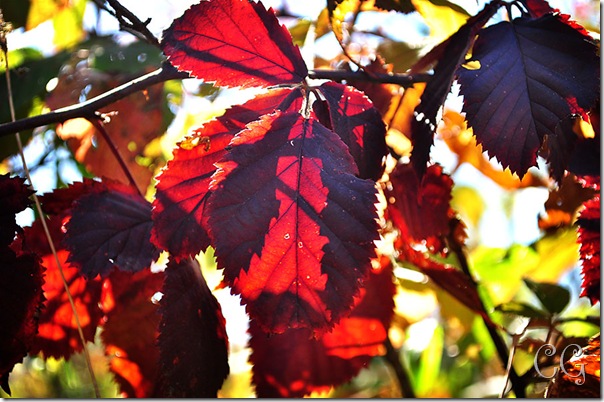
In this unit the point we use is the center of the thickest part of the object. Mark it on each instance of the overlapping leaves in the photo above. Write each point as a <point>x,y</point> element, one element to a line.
<point>292,225</point>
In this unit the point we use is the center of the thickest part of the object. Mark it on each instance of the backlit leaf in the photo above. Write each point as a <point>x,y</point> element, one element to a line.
<point>590,239</point>
<point>58,334</point>
<point>580,373</point>
<point>182,189</point>
<point>192,335</point>
<point>131,329</point>
<point>359,125</point>
<point>110,228</point>
<point>235,44</point>
<point>292,226</point>
<point>317,364</point>
<point>533,73</point>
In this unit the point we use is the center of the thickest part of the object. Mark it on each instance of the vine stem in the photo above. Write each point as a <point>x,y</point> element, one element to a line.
<point>45,226</point>
<point>502,350</point>
<point>393,358</point>
<point>166,72</point>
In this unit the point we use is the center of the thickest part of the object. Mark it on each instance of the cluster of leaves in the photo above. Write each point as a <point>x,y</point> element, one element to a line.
<point>285,188</point>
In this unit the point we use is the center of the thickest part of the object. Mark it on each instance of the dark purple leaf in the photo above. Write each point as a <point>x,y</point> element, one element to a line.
<point>192,338</point>
<point>110,228</point>
<point>533,74</point>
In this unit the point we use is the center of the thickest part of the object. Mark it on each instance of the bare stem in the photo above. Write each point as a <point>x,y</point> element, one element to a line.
<point>518,384</point>
<point>128,21</point>
<point>98,124</point>
<point>402,376</point>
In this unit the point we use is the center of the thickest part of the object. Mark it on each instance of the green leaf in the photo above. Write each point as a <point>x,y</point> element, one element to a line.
<point>521,309</point>
<point>401,55</point>
<point>553,297</point>
<point>299,31</point>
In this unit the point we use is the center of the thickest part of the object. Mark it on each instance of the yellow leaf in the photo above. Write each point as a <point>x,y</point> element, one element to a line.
<point>443,20</point>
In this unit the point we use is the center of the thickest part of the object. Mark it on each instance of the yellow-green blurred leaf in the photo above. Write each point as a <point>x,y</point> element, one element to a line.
<point>429,366</point>
<point>501,271</point>
<point>469,203</point>
<point>401,55</point>
<point>558,253</point>
<point>68,24</point>
<point>442,17</point>
<point>43,10</point>
<point>299,31</point>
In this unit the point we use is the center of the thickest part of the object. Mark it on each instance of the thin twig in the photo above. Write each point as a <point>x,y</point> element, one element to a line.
<point>393,358</point>
<point>45,226</point>
<point>98,124</point>
<point>502,350</point>
<point>128,21</point>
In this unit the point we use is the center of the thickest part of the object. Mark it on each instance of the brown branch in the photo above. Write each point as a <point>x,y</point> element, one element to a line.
<point>404,80</point>
<point>89,109</point>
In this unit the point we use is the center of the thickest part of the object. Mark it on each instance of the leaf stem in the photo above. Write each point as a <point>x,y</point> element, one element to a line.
<point>393,358</point>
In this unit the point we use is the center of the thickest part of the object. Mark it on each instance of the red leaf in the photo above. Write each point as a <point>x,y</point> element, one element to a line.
<point>110,227</point>
<point>58,332</point>
<point>192,335</point>
<point>14,198</point>
<point>449,55</point>
<point>538,8</point>
<point>359,125</point>
<point>589,238</point>
<point>534,73</point>
<point>130,331</point>
<point>20,302</point>
<point>420,212</point>
<point>318,364</point>
<point>235,43</point>
<point>292,227</point>
<point>182,191</point>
